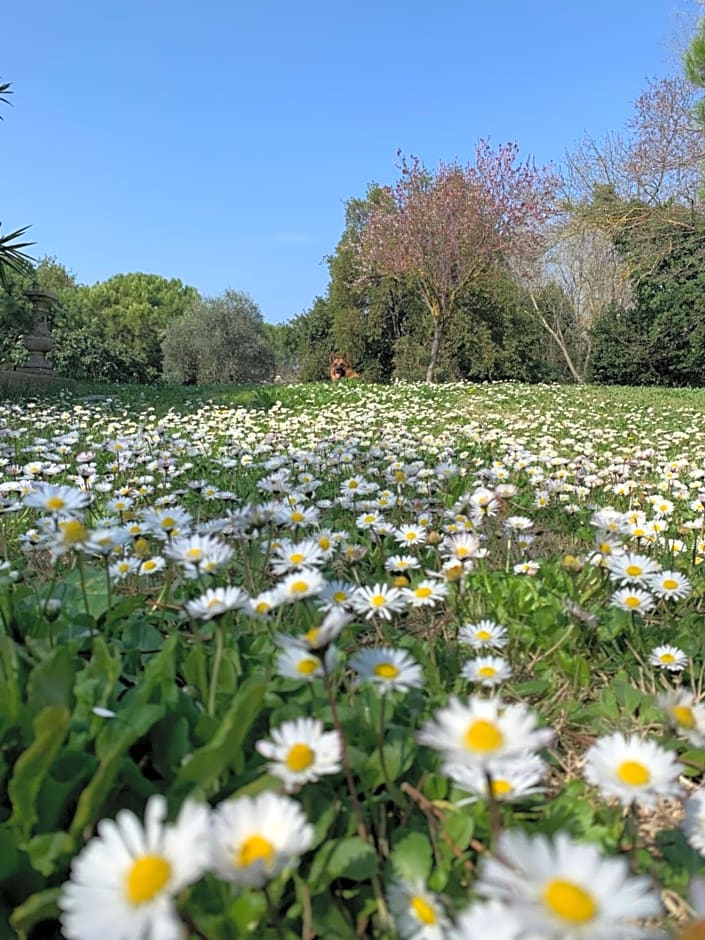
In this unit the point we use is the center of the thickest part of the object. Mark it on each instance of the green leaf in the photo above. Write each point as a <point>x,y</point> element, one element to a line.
<point>51,682</point>
<point>119,736</point>
<point>8,852</point>
<point>209,761</point>
<point>350,858</point>
<point>247,911</point>
<point>50,727</point>
<point>195,672</point>
<point>38,907</point>
<point>411,857</point>
<point>9,683</point>
<point>48,850</point>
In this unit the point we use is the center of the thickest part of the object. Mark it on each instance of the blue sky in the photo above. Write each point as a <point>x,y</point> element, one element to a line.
<point>218,141</point>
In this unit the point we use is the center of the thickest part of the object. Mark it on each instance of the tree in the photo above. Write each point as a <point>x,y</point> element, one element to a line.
<point>219,340</point>
<point>113,330</point>
<point>12,257</point>
<point>446,230</point>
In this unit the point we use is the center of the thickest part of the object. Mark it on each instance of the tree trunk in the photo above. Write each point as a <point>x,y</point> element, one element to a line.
<point>559,340</point>
<point>435,347</point>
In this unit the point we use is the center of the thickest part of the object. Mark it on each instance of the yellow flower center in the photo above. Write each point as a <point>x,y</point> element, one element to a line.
<point>195,554</point>
<point>353,484</point>
<point>214,602</point>
<point>386,670</point>
<point>487,672</point>
<point>307,666</point>
<point>150,565</point>
<point>146,878</point>
<point>569,901</point>
<point>73,531</point>
<point>401,581</point>
<point>299,587</point>
<point>262,607</point>
<point>324,543</point>
<point>377,600</point>
<point>501,787</point>
<point>483,635</point>
<point>423,911</point>
<point>633,570</point>
<point>339,597</point>
<point>633,773</point>
<point>168,522</point>
<point>55,503</point>
<point>667,658</point>
<point>297,516</point>
<point>300,757</point>
<point>632,601</point>
<point>410,536</point>
<point>483,736</point>
<point>669,584</point>
<point>254,849</point>
<point>683,715</point>
<point>423,591</point>
<point>461,551</point>
<point>311,635</point>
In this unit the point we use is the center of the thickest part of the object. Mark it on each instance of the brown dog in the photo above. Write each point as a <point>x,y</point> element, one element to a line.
<point>340,368</point>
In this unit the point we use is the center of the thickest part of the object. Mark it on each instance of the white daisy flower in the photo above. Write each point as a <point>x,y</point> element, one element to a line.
<point>631,568</point>
<point>295,662</point>
<point>389,669</point>
<point>378,601</point>
<point>633,600</point>
<point>670,584</point>
<point>301,752</point>
<point>694,822</point>
<point>490,919</point>
<point>632,770</point>
<point>487,670</point>
<point>336,594</point>
<point>410,535</point>
<point>123,883</point>
<point>417,912</point>
<point>484,633</point>
<point>288,556</point>
<point>216,601</point>
<point>152,565</point>
<point>58,501</point>
<point>401,563</point>
<point>564,890</point>
<point>426,593</point>
<point>512,778</point>
<point>253,839</point>
<point>685,715</point>
<point>668,657</point>
<point>319,637</point>
<point>483,730</point>
<point>299,584</point>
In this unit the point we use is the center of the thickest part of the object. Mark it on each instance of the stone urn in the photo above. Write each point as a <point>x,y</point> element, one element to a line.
<point>38,341</point>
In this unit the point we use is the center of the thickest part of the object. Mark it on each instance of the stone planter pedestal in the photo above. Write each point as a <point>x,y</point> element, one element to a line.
<point>38,341</point>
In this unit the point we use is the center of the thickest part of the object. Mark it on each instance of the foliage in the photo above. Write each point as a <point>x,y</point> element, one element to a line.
<point>220,339</point>
<point>659,339</point>
<point>445,230</point>
<point>113,331</point>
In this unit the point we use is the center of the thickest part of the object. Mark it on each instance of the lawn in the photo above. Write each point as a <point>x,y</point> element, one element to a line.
<point>350,660</point>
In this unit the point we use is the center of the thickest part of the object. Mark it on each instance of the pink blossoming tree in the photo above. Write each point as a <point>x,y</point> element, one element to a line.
<point>448,229</point>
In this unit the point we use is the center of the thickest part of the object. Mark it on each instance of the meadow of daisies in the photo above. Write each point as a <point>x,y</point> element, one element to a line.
<point>351,661</point>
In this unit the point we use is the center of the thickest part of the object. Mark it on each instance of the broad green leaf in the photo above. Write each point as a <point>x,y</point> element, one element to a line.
<point>50,727</point>
<point>51,682</point>
<point>195,671</point>
<point>209,762</point>
<point>411,856</point>
<point>46,851</point>
<point>350,858</point>
<point>10,702</point>
<point>8,852</point>
<point>132,724</point>
<point>38,907</point>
